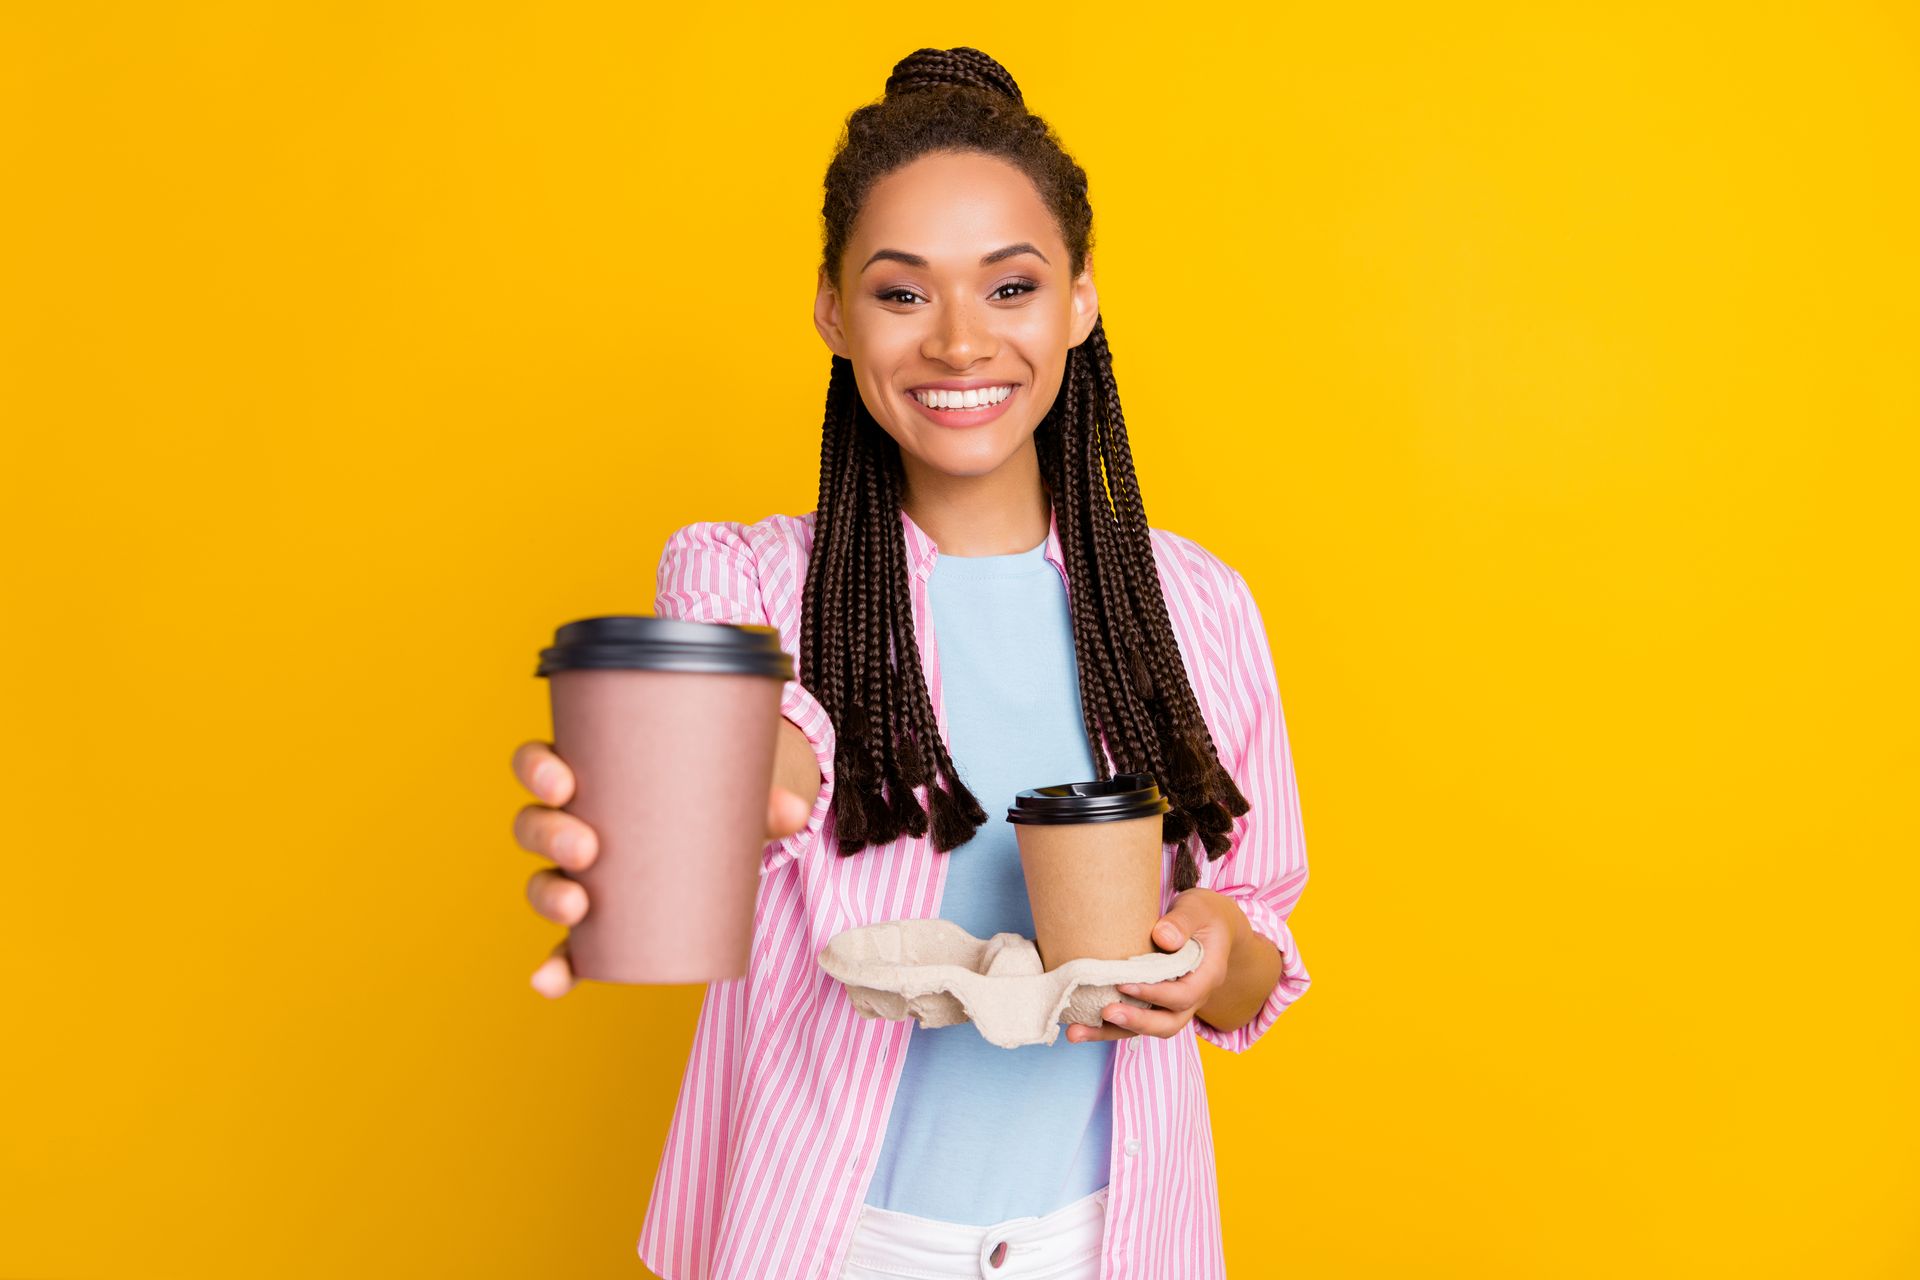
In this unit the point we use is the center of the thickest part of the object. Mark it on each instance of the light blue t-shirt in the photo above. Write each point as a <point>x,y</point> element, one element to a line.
<point>979,1134</point>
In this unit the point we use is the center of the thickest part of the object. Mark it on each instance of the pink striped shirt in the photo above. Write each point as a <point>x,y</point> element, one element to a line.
<point>783,1105</point>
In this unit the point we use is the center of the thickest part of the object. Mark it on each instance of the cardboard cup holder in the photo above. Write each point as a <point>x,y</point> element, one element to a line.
<point>938,974</point>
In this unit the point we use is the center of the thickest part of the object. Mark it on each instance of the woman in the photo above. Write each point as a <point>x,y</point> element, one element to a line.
<point>973,614</point>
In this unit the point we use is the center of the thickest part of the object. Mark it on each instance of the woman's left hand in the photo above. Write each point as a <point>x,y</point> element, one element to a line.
<point>1196,913</point>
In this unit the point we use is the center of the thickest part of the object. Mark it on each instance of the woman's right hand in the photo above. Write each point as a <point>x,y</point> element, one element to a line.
<point>544,828</point>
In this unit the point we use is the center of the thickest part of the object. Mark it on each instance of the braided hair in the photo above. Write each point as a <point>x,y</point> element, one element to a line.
<point>858,654</point>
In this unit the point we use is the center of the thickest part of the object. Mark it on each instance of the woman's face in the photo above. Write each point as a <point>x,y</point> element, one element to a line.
<point>955,276</point>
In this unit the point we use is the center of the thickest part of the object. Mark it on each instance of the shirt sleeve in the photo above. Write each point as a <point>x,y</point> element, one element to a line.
<point>709,572</point>
<point>1265,868</point>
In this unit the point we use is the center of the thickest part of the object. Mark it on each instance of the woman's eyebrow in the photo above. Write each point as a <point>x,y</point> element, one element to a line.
<point>915,260</point>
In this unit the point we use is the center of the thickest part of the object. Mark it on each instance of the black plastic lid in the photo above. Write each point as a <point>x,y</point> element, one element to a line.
<point>638,642</point>
<point>1125,795</point>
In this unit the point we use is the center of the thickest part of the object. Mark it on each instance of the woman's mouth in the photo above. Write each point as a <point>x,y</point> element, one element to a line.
<point>950,408</point>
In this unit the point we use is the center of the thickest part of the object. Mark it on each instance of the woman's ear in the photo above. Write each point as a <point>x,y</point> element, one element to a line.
<point>1086,305</point>
<point>827,318</point>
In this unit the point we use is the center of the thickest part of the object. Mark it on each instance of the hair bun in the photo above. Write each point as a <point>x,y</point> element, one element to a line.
<point>929,68</point>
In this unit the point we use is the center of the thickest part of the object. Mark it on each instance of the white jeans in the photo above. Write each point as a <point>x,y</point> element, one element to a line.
<point>1063,1245</point>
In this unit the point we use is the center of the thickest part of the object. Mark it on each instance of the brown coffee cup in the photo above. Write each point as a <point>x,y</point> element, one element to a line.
<point>670,728</point>
<point>1091,852</point>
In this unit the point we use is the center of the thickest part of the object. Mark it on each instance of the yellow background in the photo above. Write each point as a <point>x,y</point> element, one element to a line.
<point>1549,371</point>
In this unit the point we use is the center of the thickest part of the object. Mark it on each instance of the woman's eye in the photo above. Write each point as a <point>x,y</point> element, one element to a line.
<point>894,295</point>
<point>1025,286</point>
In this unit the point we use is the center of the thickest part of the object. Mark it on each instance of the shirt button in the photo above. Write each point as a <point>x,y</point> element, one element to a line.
<point>1133,1146</point>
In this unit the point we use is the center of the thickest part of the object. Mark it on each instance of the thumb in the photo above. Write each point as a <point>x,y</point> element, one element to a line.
<point>1179,924</point>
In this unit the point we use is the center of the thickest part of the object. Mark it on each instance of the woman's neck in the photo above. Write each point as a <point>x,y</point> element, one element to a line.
<point>1003,513</point>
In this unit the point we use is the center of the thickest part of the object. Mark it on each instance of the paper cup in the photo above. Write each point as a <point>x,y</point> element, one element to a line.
<point>1091,852</point>
<point>670,728</point>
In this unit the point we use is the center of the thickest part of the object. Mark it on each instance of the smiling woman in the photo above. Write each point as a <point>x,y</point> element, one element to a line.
<point>979,606</point>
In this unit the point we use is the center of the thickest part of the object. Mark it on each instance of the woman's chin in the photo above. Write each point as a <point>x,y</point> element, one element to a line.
<point>957,462</point>
<point>958,453</point>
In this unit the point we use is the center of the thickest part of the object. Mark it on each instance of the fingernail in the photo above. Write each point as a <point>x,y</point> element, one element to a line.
<point>566,847</point>
<point>1128,987</point>
<point>543,780</point>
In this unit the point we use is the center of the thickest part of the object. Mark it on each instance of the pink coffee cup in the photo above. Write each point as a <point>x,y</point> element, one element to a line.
<point>670,728</point>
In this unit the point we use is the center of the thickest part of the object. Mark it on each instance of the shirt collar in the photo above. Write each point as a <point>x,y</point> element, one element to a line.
<point>921,550</point>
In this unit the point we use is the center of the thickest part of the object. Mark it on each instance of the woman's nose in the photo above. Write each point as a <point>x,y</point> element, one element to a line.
<point>961,336</point>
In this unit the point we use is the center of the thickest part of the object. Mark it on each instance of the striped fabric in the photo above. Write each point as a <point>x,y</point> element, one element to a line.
<point>784,1102</point>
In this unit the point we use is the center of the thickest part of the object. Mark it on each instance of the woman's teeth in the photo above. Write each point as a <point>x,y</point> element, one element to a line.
<point>969,399</point>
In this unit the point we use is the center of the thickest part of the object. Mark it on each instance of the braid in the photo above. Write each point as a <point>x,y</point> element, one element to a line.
<point>859,653</point>
<point>906,749</point>
<point>929,68</point>
<point>1099,634</point>
<point>1058,458</point>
